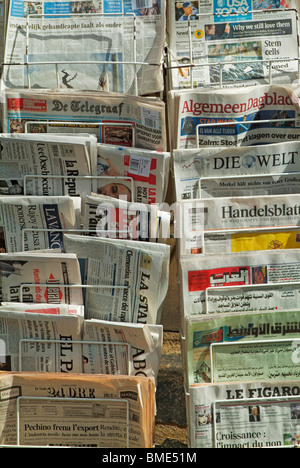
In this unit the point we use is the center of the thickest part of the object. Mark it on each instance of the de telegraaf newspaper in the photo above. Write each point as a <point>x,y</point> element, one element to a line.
<point>226,43</point>
<point>100,45</point>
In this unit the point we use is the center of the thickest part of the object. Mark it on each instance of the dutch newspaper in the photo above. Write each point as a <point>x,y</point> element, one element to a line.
<point>30,223</point>
<point>120,119</point>
<point>244,414</point>
<point>242,347</point>
<point>230,225</point>
<point>271,169</point>
<point>129,279</point>
<point>135,349</point>
<point>145,173</point>
<point>35,277</point>
<point>107,46</point>
<point>30,342</point>
<point>45,308</point>
<point>234,116</point>
<point>113,411</point>
<point>232,43</point>
<point>259,281</point>
<point>43,157</point>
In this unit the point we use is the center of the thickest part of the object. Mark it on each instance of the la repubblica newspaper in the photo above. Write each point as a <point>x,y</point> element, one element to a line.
<point>99,45</point>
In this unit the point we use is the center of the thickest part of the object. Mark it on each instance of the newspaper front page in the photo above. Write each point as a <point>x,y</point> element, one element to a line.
<point>234,116</point>
<point>119,119</point>
<point>231,43</point>
<point>77,410</point>
<point>263,414</point>
<point>130,278</point>
<point>108,46</point>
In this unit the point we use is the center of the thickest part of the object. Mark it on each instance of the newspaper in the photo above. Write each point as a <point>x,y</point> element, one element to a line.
<point>34,222</point>
<point>120,119</point>
<point>41,354</point>
<point>77,410</point>
<point>271,169</point>
<point>57,270</point>
<point>52,309</point>
<point>242,347</point>
<point>248,108</point>
<point>130,278</point>
<point>231,43</point>
<point>262,414</point>
<point>138,352</point>
<point>86,45</point>
<point>45,156</point>
<point>149,171</point>
<point>258,281</point>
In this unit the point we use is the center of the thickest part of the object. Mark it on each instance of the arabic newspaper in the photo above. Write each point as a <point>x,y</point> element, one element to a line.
<point>248,108</point>
<point>271,169</point>
<point>53,309</point>
<point>231,44</point>
<point>36,355</point>
<point>244,414</point>
<point>138,352</point>
<point>95,45</point>
<point>120,118</point>
<point>113,411</point>
<point>131,277</point>
<point>242,347</point>
<point>23,219</point>
<point>259,281</point>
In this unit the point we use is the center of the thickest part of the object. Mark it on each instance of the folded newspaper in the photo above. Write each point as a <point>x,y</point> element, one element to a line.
<point>234,116</point>
<point>138,121</point>
<point>229,43</point>
<point>76,410</point>
<point>261,414</point>
<point>34,277</point>
<point>109,46</point>
<point>127,281</point>
<point>52,309</point>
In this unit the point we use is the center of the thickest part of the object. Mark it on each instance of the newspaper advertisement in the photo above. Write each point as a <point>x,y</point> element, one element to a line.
<point>239,43</point>
<point>40,353</point>
<point>120,119</point>
<point>261,414</point>
<point>234,116</point>
<point>106,46</point>
<point>112,411</point>
<point>35,278</point>
<point>130,278</point>
<point>271,169</point>
<point>259,281</point>
<point>229,225</point>
<point>52,309</point>
<point>135,350</point>
<point>149,171</point>
<point>243,347</point>
<point>30,223</point>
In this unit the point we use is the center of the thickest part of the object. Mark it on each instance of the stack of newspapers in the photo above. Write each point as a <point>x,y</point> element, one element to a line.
<point>233,78</point>
<point>84,262</point>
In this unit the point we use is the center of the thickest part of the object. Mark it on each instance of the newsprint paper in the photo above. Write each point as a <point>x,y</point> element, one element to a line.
<point>77,410</point>
<point>52,309</point>
<point>244,415</point>
<point>110,46</point>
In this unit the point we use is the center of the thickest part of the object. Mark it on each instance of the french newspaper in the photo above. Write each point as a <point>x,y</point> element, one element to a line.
<point>242,347</point>
<point>107,46</point>
<point>262,414</point>
<point>129,279</point>
<point>232,43</point>
<point>121,119</point>
<point>234,116</point>
<point>77,410</point>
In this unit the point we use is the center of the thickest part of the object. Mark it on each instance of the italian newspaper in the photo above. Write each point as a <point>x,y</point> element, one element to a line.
<point>107,46</point>
<point>234,117</point>
<point>258,414</point>
<point>232,43</point>
<point>115,411</point>
<point>120,119</point>
<point>130,279</point>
